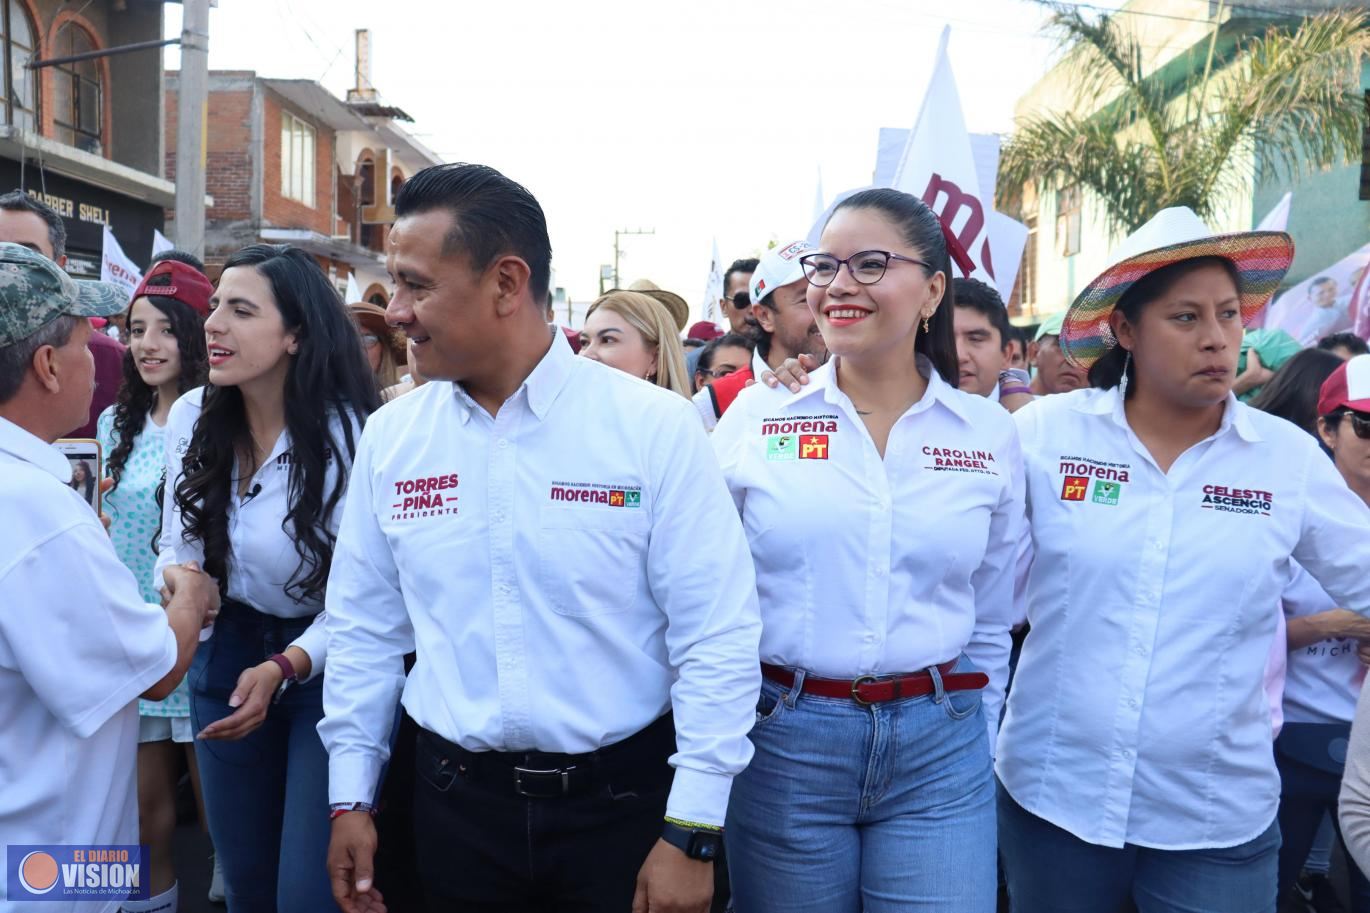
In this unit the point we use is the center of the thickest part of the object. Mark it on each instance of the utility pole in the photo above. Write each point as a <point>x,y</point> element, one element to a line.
<point>622,232</point>
<point>191,104</point>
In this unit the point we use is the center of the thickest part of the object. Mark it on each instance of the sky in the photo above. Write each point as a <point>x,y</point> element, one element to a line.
<point>699,120</point>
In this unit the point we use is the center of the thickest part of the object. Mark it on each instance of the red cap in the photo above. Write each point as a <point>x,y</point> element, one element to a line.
<point>1349,387</point>
<point>573,337</point>
<point>705,330</point>
<point>187,285</point>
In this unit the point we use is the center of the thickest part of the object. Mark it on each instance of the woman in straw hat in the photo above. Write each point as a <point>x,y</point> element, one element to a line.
<point>385,348</point>
<point>635,333</point>
<point>1135,757</point>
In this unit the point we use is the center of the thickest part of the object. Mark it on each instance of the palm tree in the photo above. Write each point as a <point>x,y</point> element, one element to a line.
<point>1292,96</point>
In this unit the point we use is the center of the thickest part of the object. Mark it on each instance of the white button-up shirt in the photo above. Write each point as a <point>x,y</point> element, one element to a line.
<point>77,646</point>
<point>1323,679</point>
<point>1137,713</point>
<point>871,566</point>
<point>262,557</point>
<point>557,567</point>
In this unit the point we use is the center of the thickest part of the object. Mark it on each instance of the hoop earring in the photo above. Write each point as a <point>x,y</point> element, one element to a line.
<point>1122,384</point>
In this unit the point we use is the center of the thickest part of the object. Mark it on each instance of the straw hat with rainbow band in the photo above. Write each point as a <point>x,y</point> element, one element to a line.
<point>1261,258</point>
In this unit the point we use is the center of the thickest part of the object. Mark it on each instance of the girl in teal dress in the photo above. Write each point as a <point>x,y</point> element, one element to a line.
<point>166,357</point>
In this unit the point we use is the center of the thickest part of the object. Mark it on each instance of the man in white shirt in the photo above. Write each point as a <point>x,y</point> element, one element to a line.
<point>78,646</point>
<point>528,523</point>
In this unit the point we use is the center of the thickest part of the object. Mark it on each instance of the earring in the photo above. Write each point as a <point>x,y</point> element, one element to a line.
<point>926,327</point>
<point>1122,384</point>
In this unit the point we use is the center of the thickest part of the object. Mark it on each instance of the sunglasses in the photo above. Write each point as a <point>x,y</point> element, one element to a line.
<point>741,301</point>
<point>1360,423</point>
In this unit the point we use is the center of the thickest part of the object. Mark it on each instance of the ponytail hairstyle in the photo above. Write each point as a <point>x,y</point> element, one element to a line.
<point>1108,371</point>
<point>922,230</point>
<point>327,379</point>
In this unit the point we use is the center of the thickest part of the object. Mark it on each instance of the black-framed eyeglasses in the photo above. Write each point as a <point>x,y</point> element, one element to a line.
<point>1360,422</point>
<point>867,267</point>
<point>717,373</point>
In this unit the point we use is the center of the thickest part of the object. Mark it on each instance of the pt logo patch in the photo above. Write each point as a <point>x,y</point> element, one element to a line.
<point>1106,492</point>
<point>813,447</point>
<point>1074,488</point>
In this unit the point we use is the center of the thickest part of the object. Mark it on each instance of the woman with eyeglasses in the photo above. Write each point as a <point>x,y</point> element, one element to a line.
<point>871,785</point>
<point>384,347</point>
<point>725,355</point>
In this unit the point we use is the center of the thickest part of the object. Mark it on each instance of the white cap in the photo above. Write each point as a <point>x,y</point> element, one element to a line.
<point>779,266</point>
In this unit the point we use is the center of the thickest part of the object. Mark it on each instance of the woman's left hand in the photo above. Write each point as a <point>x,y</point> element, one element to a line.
<point>256,687</point>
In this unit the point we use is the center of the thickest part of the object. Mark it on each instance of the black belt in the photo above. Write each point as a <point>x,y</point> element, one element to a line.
<point>637,760</point>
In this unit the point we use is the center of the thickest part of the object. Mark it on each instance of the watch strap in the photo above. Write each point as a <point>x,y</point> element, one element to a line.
<point>287,667</point>
<point>702,842</point>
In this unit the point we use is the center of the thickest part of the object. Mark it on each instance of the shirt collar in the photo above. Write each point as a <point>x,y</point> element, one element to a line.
<point>23,445</point>
<point>541,386</point>
<point>824,381</point>
<point>1236,415</point>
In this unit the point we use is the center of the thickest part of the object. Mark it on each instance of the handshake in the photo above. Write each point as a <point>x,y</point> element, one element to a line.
<point>186,588</point>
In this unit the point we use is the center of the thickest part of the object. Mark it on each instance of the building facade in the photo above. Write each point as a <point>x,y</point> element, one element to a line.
<point>1069,242</point>
<point>288,162</point>
<point>85,135</point>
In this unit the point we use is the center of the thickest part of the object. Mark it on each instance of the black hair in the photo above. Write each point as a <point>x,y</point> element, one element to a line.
<point>327,377</point>
<point>706,357</point>
<point>976,295</point>
<point>491,216</point>
<point>181,256</point>
<point>136,399</point>
<point>1292,393</point>
<point>19,201</point>
<point>1107,372</point>
<point>922,231</point>
<point>745,265</point>
<point>1348,341</point>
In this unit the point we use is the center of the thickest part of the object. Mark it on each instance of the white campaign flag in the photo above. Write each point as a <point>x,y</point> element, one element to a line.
<point>1277,219</point>
<point>713,288</point>
<point>818,206</point>
<point>117,269</point>
<point>354,292</point>
<point>160,244</point>
<point>938,166</point>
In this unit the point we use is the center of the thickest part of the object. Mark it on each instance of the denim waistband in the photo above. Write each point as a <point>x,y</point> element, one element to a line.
<point>236,614</point>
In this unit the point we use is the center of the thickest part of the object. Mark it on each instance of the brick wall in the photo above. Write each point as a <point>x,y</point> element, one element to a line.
<point>277,210</point>
<point>228,155</point>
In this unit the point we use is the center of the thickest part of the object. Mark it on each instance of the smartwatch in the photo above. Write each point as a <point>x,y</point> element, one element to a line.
<point>288,673</point>
<point>699,842</point>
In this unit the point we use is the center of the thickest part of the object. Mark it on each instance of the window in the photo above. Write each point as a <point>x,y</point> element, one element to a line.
<point>21,91</point>
<point>1027,279</point>
<point>1068,220</point>
<point>79,96</point>
<point>297,159</point>
<point>366,172</point>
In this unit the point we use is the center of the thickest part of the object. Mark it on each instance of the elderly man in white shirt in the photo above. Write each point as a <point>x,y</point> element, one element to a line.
<point>528,523</point>
<point>78,646</point>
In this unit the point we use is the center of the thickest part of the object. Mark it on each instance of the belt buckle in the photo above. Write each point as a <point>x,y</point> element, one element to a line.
<point>564,774</point>
<point>856,688</point>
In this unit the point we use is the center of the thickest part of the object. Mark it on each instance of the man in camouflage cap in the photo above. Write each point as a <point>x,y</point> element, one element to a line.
<point>78,646</point>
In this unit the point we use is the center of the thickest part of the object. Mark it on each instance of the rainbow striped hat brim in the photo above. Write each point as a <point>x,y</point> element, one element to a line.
<point>1261,257</point>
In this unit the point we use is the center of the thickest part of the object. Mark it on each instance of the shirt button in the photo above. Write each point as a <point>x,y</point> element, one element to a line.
<point>1158,545</point>
<point>503,443</point>
<point>1127,755</point>
<point>1141,650</point>
<point>1132,703</point>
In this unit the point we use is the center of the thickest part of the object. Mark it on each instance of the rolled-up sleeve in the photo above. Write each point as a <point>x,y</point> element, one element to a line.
<point>713,621</point>
<point>172,546</point>
<point>368,634</point>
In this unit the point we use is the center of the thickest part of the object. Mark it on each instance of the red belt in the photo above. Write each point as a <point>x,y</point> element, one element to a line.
<point>868,689</point>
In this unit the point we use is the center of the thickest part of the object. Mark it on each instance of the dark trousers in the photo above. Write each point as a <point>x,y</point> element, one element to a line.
<point>483,848</point>
<point>1306,795</point>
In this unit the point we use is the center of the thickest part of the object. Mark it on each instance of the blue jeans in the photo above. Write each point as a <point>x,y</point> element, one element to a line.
<point>847,808</point>
<point>1050,870</point>
<point>266,795</point>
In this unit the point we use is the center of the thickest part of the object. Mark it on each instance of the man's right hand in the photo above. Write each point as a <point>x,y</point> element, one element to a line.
<point>351,863</point>
<point>188,585</point>
<point>794,373</point>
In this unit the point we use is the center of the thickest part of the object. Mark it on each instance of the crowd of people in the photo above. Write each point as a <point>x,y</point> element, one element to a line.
<point>860,601</point>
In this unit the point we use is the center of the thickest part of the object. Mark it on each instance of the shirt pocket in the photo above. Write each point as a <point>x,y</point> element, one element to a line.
<point>591,559</point>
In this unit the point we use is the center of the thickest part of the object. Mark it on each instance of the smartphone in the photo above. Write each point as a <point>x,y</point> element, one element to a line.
<point>87,467</point>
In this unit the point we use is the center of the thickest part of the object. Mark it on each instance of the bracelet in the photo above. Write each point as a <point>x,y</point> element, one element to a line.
<point>692,825</point>
<point>1011,391</point>
<point>343,808</point>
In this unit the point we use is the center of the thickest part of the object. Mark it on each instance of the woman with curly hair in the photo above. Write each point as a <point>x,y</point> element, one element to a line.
<point>165,358</point>
<point>257,466</point>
